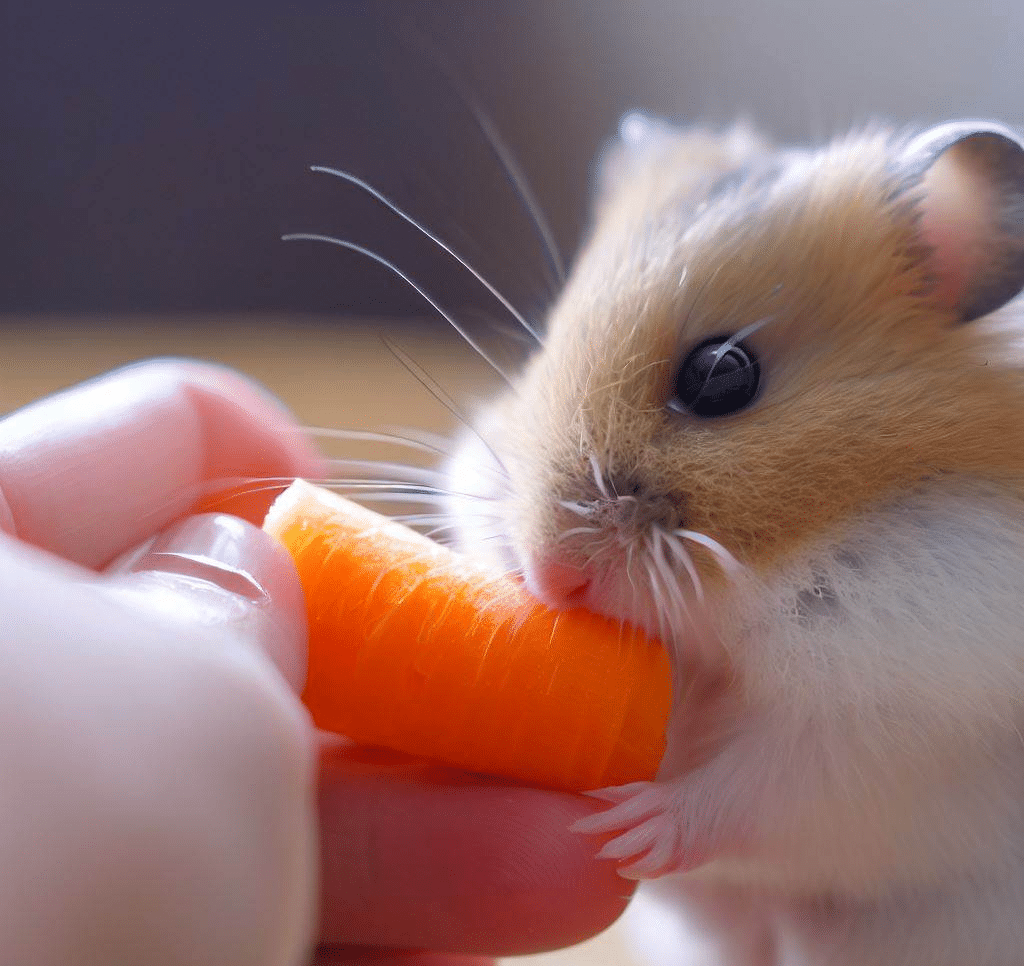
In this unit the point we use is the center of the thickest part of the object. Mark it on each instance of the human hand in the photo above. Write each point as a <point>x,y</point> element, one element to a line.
<point>158,801</point>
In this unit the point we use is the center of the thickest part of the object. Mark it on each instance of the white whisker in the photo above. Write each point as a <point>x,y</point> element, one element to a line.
<point>510,167</point>
<point>358,484</point>
<point>429,519</point>
<point>673,589</point>
<point>630,553</point>
<point>387,202</point>
<point>434,388</point>
<point>585,510</point>
<point>675,546</point>
<point>523,190</point>
<point>396,471</point>
<point>599,477</point>
<point>403,495</point>
<point>442,528</point>
<point>420,440</point>
<point>392,267</point>
<point>575,531</point>
<point>725,559</point>
<point>370,436</point>
<point>654,581</point>
<point>749,330</point>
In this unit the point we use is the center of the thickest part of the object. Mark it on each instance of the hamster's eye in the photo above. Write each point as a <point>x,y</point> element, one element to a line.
<point>718,377</point>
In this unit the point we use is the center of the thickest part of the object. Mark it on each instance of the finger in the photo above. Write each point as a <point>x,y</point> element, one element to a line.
<point>93,471</point>
<point>217,570</point>
<point>412,859</point>
<point>363,956</point>
<point>159,775</point>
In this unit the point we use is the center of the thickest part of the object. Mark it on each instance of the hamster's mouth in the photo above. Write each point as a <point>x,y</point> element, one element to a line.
<point>681,622</point>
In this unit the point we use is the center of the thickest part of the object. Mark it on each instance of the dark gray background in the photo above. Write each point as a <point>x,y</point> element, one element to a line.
<point>151,155</point>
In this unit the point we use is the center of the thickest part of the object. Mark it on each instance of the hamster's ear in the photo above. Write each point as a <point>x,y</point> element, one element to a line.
<point>692,154</point>
<point>971,207</point>
<point>637,137</point>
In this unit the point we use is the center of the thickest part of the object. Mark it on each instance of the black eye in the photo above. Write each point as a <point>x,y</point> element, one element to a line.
<point>717,378</point>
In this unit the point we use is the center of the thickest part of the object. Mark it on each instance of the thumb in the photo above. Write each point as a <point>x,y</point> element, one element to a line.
<point>219,571</point>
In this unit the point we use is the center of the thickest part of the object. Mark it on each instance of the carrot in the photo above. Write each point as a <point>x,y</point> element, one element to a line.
<point>415,649</point>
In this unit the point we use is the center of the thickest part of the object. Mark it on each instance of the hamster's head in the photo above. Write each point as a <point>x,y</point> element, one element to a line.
<point>757,349</point>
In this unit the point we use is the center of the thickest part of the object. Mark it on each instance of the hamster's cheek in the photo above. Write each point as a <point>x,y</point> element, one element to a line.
<point>917,607</point>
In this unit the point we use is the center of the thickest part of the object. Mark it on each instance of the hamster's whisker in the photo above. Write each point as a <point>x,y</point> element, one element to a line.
<point>360,483</point>
<point>511,169</point>
<point>398,471</point>
<point>415,439</point>
<point>581,509</point>
<point>404,494</point>
<point>700,293</point>
<point>233,486</point>
<point>436,532</point>
<point>630,555</point>
<point>443,528</point>
<point>726,560</point>
<point>370,436</point>
<point>412,441</point>
<point>520,185</point>
<point>654,582</point>
<point>450,538</point>
<point>446,446</point>
<point>388,203</point>
<point>575,531</point>
<point>599,477</point>
<point>675,545</point>
<point>392,267</point>
<point>382,491</point>
<point>419,519</point>
<point>745,332</point>
<point>674,590</point>
<point>506,330</point>
<point>434,388</point>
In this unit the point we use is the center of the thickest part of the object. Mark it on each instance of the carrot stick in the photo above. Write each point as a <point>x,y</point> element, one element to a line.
<point>415,649</point>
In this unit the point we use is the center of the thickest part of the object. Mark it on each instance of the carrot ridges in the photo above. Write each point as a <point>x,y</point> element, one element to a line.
<point>416,649</point>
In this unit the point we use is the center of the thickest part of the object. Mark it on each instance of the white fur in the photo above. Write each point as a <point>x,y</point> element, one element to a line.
<point>875,782</point>
<point>861,796</point>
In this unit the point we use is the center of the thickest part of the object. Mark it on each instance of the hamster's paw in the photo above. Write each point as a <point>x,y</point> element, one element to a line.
<point>656,835</point>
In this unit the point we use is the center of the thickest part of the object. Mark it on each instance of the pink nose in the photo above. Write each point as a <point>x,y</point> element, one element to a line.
<point>556,583</point>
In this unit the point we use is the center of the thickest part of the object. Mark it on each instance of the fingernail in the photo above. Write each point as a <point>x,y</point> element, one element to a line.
<point>211,547</point>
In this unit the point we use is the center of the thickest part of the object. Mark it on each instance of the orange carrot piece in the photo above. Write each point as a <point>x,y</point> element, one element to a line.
<point>415,649</point>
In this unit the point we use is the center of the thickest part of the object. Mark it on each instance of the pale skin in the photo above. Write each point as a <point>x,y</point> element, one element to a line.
<point>165,799</point>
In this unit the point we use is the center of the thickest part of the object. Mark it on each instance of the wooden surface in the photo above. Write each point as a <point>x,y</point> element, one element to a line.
<point>329,373</point>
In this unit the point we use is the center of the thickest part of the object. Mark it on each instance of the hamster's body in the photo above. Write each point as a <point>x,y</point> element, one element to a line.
<point>832,538</point>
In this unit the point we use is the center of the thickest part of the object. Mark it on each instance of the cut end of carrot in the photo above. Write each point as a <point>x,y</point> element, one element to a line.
<point>416,649</point>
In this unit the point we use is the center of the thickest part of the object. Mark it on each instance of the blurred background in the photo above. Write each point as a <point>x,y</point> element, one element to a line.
<point>151,156</point>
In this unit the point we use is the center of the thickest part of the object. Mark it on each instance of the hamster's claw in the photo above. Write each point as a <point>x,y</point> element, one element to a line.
<point>619,793</point>
<point>632,804</point>
<point>651,839</point>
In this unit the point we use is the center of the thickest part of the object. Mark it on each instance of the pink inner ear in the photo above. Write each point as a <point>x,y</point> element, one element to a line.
<point>956,219</point>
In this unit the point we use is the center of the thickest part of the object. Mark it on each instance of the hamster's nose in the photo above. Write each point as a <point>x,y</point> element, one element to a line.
<point>557,583</point>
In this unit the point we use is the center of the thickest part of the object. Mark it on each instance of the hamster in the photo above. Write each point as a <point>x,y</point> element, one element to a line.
<point>777,419</point>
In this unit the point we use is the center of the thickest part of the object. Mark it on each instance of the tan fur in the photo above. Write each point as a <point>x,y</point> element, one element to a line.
<point>869,386</point>
<point>854,792</point>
